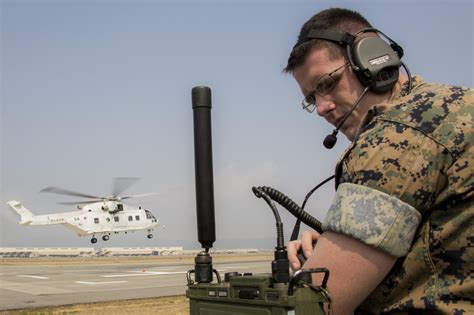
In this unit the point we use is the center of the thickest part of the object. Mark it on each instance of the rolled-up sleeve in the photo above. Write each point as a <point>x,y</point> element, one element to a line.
<point>374,218</point>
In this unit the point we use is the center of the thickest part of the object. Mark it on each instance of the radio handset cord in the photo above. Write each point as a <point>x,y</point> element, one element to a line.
<point>296,228</point>
<point>293,208</point>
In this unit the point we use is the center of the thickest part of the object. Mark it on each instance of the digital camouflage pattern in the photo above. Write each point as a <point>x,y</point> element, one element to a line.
<point>418,149</point>
<point>386,222</point>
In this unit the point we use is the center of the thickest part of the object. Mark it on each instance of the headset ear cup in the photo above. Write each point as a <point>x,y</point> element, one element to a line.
<point>387,74</point>
<point>397,48</point>
<point>376,63</point>
<point>363,76</point>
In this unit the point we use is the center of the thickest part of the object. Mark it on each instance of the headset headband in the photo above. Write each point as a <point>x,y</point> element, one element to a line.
<point>343,39</point>
<point>346,39</point>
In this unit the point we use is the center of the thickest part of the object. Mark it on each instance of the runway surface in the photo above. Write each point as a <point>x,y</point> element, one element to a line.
<point>26,286</point>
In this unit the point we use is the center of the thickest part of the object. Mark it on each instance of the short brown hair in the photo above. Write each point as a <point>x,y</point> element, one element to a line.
<point>334,19</point>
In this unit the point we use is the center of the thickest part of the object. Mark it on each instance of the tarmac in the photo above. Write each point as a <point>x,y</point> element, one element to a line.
<point>26,285</point>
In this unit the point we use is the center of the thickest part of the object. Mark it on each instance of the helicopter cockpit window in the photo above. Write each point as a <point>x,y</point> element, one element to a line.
<point>130,218</point>
<point>96,220</point>
<point>149,215</point>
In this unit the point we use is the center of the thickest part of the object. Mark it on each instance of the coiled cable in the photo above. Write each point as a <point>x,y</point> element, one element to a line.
<point>300,214</point>
<point>292,207</point>
<point>296,228</point>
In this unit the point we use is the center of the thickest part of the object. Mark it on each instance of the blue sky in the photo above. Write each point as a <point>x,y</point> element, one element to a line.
<point>92,90</point>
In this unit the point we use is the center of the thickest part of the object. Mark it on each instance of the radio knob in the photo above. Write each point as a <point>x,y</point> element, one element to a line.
<point>232,274</point>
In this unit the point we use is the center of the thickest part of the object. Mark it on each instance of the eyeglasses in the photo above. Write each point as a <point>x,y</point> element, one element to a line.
<point>323,86</point>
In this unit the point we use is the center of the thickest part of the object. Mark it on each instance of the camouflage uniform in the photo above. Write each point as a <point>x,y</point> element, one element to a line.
<point>405,186</point>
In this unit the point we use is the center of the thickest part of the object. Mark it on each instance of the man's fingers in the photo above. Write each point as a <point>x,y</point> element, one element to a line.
<point>308,240</point>
<point>306,244</point>
<point>293,248</point>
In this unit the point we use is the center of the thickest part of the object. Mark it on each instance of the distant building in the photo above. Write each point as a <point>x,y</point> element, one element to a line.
<point>139,251</point>
<point>18,252</point>
<point>33,252</point>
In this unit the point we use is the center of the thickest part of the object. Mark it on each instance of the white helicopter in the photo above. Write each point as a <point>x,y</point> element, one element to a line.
<point>101,216</point>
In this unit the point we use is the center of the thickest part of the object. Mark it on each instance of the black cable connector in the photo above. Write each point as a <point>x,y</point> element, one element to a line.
<point>281,264</point>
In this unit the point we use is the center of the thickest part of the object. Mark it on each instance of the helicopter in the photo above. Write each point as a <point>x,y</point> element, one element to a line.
<point>100,216</point>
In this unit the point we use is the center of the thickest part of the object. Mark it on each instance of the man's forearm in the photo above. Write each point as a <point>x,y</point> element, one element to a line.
<point>355,269</point>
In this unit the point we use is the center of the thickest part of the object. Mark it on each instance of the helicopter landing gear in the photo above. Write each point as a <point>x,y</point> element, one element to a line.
<point>93,240</point>
<point>150,236</point>
<point>105,237</point>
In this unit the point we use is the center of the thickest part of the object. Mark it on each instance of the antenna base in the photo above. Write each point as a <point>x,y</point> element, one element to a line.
<point>203,267</point>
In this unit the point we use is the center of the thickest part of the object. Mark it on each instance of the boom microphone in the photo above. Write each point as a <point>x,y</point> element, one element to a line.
<point>331,139</point>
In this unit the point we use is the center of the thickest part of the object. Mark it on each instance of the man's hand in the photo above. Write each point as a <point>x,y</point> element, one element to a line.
<point>305,244</point>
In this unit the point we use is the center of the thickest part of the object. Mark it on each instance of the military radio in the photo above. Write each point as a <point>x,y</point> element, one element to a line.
<point>247,293</point>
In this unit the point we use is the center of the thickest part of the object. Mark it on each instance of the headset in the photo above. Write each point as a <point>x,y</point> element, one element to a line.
<point>375,62</point>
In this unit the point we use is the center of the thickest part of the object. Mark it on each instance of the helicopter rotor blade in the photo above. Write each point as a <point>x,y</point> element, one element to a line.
<point>121,184</point>
<point>61,191</point>
<point>80,202</point>
<point>139,196</point>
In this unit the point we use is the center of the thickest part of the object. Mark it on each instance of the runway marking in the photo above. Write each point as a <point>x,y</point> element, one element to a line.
<point>35,277</point>
<point>31,288</point>
<point>103,282</point>
<point>146,273</point>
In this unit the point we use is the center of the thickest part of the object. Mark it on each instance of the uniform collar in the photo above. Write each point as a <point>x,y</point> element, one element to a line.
<point>376,110</point>
<point>404,90</point>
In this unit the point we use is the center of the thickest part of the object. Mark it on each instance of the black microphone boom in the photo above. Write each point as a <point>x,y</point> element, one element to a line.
<point>331,139</point>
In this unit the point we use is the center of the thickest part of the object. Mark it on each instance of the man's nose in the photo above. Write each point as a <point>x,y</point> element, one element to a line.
<point>324,106</point>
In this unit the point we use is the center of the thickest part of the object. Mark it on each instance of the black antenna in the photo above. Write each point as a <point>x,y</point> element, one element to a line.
<point>201,99</point>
